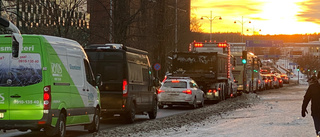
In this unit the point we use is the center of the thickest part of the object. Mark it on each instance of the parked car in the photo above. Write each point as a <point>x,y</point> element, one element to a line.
<point>180,91</point>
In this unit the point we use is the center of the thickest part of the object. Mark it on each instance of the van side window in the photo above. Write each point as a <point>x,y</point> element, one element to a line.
<point>89,73</point>
<point>145,73</point>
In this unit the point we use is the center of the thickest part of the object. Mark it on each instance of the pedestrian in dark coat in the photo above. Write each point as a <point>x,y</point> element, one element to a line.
<point>313,94</point>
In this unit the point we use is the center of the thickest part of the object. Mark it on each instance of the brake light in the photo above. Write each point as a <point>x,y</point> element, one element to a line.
<point>124,88</point>
<point>266,81</point>
<point>188,91</point>
<point>198,45</point>
<point>259,81</point>
<point>175,81</point>
<point>209,91</point>
<point>160,91</point>
<point>222,45</point>
<point>46,97</point>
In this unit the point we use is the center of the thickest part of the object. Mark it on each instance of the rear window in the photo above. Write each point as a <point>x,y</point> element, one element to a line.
<point>20,72</point>
<point>111,67</point>
<point>174,84</point>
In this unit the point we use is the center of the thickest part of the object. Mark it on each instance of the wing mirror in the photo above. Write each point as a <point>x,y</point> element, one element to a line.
<point>98,80</point>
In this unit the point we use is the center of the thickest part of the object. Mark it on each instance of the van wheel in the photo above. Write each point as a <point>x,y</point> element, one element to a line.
<point>130,116</point>
<point>95,125</point>
<point>60,129</point>
<point>153,113</point>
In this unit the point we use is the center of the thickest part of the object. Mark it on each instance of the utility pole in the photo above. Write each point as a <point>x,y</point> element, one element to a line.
<point>252,73</point>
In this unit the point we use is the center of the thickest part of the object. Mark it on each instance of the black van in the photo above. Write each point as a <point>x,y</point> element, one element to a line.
<point>128,88</point>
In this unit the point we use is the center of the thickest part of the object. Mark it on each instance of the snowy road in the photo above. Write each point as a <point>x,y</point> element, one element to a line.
<point>276,115</point>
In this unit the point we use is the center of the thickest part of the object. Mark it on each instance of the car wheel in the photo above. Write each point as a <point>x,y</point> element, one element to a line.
<point>60,129</point>
<point>194,104</point>
<point>202,102</point>
<point>153,113</point>
<point>95,125</point>
<point>130,116</point>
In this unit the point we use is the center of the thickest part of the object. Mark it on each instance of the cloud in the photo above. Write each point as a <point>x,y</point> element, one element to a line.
<point>311,11</point>
<point>230,7</point>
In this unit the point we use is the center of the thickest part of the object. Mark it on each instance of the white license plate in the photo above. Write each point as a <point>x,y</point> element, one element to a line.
<point>174,94</point>
<point>1,115</point>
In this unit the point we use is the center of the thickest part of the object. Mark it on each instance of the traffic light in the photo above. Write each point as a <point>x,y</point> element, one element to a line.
<point>244,57</point>
<point>298,68</point>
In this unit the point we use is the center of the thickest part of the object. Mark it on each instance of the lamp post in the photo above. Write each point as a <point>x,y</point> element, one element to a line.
<point>242,22</point>
<point>211,19</point>
<point>253,30</point>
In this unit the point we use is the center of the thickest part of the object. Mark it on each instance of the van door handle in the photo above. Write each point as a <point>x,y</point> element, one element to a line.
<point>15,96</point>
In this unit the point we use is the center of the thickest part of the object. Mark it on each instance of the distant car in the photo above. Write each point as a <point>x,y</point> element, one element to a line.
<point>275,80</point>
<point>285,78</point>
<point>180,91</point>
<point>267,80</point>
<point>280,81</point>
<point>261,83</point>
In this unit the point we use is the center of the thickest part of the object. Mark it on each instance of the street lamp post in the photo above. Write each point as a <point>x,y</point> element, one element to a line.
<point>242,22</point>
<point>211,19</point>
<point>253,30</point>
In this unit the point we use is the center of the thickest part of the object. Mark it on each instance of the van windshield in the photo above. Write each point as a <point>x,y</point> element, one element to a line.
<point>20,72</point>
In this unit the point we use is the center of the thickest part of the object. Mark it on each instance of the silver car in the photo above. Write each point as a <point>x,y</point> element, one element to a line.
<point>180,91</point>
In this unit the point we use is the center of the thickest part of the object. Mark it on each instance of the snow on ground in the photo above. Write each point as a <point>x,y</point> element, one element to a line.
<point>271,113</point>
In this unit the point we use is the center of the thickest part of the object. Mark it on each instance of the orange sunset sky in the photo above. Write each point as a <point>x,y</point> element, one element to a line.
<point>269,16</point>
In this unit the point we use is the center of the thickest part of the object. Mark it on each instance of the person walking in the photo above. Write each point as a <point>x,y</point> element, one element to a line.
<point>313,94</point>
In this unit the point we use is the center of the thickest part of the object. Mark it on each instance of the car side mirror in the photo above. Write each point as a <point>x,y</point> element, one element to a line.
<point>98,80</point>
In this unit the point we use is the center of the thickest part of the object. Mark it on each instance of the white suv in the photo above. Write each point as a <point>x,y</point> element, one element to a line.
<point>180,91</point>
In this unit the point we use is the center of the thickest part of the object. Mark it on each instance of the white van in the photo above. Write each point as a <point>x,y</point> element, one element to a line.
<point>49,86</point>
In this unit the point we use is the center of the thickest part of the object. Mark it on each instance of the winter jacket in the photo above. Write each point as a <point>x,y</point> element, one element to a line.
<point>313,94</point>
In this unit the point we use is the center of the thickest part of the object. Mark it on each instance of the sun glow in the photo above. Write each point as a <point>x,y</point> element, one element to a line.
<point>269,16</point>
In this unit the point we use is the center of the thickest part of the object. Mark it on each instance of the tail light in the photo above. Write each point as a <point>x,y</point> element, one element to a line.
<point>46,97</point>
<point>266,81</point>
<point>175,81</point>
<point>124,88</point>
<point>188,91</point>
<point>259,81</point>
<point>160,91</point>
<point>212,91</point>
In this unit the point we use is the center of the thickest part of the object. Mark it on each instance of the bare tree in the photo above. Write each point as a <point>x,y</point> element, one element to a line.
<point>195,25</point>
<point>62,18</point>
